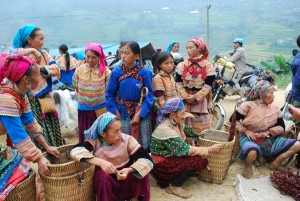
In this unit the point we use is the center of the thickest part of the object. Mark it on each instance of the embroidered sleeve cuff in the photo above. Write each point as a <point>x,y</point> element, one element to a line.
<point>28,150</point>
<point>142,167</point>
<point>33,135</point>
<point>198,151</point>
<point>81,153</point>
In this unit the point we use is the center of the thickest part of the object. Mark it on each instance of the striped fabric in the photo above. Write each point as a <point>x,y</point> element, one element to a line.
<point>61,62</point>
<point>278,146</point>
<point>9,107</point>
<point>49,64</point>
<point>28,150</point>
<point>90,86</point>
<point>166,83</point>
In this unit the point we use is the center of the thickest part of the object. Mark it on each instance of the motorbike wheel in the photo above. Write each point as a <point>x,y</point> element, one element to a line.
<point>217,118</point>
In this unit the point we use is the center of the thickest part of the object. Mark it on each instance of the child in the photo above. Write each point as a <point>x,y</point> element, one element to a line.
<point>164,84</point>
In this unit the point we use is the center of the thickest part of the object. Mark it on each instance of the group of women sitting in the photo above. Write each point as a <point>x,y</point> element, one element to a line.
<point>115,128</point>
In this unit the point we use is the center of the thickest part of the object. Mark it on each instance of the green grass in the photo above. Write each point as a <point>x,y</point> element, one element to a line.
<point>282,81</point>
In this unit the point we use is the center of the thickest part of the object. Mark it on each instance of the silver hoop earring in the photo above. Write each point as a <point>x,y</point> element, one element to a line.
<point>173,122</point>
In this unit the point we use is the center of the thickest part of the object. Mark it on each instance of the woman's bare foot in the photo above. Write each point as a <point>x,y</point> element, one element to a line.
<point>178,191</point>
<point>274,166</point>
<point>247,173</point>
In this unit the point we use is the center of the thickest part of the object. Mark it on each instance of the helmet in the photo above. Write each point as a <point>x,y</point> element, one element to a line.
<point>238,40</point>
<point>177,58</point>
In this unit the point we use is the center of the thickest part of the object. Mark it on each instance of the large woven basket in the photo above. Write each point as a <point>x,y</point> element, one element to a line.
<point>218,162</point>
<point>26,190</point>
<point>236,148</point>
<point>64,165</point>
<point>69,180</point>
<point>76,187</point>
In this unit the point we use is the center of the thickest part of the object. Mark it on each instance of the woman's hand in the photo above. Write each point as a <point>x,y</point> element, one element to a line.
<point>136,118</point>
<point>43,166</point>
<point>107,167</point>
<point>215,148</point>
<point>191,99</point>
<point>189,115</point>
<point>37,54</point>
<point>264,134</point>
<point>52,150</point>
<point>250,135</point>
<point>122,174</point>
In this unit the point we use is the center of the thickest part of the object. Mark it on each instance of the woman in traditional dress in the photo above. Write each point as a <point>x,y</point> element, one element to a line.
<point>261,127</point>
<point>174,159</point>
<point>17,120</point>
<point>29,41</point>
<point>194,78</point>
<point>67,65</point>
<point>90,82</point>
<point>124,92</point>
<point>122,165</point>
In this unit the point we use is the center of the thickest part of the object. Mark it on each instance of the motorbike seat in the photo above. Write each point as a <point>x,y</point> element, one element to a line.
<point>249,73</point>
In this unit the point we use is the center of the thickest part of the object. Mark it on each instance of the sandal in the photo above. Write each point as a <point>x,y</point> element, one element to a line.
<point>183,194</point>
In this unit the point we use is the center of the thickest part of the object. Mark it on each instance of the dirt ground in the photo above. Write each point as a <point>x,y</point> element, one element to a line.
<point>205,191</point>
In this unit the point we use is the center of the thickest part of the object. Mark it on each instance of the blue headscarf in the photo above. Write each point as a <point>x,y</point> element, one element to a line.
<point>98,126</point>
<point>22,35</point>
<point>171,105</point>
<point>169,49</point>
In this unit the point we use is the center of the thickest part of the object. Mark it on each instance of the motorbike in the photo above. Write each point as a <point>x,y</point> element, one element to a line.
<point>224,86</point>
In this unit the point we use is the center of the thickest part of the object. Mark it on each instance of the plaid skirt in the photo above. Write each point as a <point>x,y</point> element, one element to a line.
<point>145,131</point>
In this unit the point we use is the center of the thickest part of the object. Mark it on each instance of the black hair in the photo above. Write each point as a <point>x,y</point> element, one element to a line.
<point>107,127</point>
<point>195,44</point>
<point>161,57</point>
<point>109,53</point>
<point>298,41</point>
<point>94,52</point>
<point>134,46</point>
<point>64,49</point>
<point>32,35</point>
<point>175,43</point>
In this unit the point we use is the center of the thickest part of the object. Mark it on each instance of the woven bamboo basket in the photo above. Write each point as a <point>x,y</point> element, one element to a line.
<point>64,165</point>
<point>76,187</point>
<point>218,162</point>
<point>24,191</point>
<point>236,148</point>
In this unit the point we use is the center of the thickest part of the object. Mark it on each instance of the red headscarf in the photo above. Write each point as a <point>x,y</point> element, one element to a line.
<point>97,47</point>
<point>14,66</point>
<point>203,48</point>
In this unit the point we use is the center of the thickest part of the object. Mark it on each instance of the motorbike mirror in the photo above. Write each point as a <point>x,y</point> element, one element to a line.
<point>295,52</point>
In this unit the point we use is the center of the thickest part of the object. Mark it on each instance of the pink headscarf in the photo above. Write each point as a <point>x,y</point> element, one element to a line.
<point>14,66</point>
<point>203,48</point>
<point>97,47</point>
